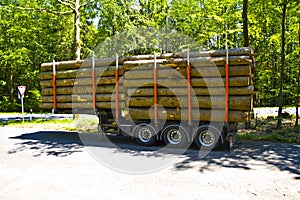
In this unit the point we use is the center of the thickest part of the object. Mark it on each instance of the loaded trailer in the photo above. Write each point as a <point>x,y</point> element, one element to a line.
<point>178,98</point>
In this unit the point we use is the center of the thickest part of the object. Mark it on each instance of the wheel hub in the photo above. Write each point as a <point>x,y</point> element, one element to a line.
<point>145,135</point>
<point>174,136</point>
<point>207,138</point>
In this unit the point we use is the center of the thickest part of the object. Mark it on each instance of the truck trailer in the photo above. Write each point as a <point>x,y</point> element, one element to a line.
<point>178,98</point>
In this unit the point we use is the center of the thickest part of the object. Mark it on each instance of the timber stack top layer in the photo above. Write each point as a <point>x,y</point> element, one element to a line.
<point>178,82</point>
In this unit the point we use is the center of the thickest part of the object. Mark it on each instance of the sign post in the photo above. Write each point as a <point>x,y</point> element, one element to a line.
<point>21,92</point>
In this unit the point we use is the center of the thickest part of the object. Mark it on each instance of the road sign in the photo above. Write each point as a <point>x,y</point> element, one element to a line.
<point>21,91</point>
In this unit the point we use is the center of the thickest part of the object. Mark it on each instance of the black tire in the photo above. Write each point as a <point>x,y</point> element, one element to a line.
<point>207,138</point>
<point>176,136</point>
<point>145,134</point>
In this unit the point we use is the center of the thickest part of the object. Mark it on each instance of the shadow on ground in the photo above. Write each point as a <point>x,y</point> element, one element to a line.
<point>56,143</point>
<point>285,157</point>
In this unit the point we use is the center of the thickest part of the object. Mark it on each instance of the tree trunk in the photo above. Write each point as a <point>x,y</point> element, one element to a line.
<point>77,30</point>
<point>103,89</point>
<point>86,105</point>
<point>196,62</point>
<point>242,103</point>
<point>11,84</point>
<point>181,82</point>
<point>75,73</point>
<point>182,114</point>
<point>245,33</point>
<point>245,23</point>
<point>78,82</point>
<point>279,122</point>
<point>298,89</point>
<point>166,72</point>
<point>83,98</point>
<point>182,91</point>
<point>297,98</point>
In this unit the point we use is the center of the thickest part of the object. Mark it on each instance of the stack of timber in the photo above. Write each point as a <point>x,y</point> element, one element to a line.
<point>136,86</point>
<point>74,86</point>
<point>207,86</point>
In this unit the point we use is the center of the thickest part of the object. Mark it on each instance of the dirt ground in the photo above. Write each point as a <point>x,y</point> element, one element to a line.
<point>41,164</point>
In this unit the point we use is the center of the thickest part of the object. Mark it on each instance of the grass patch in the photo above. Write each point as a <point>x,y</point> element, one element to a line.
<point>265,130</point>
<point>80,124</point>
<point>57,124</point>
<point>86,123</point>
<point>36,121</point>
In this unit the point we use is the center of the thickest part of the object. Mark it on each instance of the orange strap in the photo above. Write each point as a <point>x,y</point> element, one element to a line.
<point>188,71</point>
<point>117,93</point>
<point>94,89</point>
<point>54,91</point>
<point>155,95</point>
<point>226,93</point>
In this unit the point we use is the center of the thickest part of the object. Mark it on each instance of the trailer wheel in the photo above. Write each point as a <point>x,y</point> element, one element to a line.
<point>145,134</point>
<point>175,136</point>
<point>207,137</point>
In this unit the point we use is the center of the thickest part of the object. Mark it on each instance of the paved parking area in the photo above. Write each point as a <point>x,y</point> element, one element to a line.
<point>39,164</point>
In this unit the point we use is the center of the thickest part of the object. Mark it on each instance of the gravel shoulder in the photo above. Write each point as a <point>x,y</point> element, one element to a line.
<point>41,164</point>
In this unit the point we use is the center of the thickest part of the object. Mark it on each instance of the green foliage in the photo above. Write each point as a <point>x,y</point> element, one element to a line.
<point>29,37</point>
<point>265,37</point>
<point>290,135</point>
<point>37,121</point>
<point>32,98</point>
<point>264,129</point>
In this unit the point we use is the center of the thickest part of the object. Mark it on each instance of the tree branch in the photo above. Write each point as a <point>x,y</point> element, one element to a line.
<point>86,3</point>
<point>70,2</point>
<point>66,3</point>
<point>46,10</point>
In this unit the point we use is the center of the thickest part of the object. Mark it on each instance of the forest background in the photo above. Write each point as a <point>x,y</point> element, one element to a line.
<point>37,31</point>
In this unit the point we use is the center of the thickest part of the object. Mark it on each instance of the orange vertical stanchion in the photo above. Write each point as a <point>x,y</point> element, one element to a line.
<point>54,87</point>
<point>117,87</point>
<point>188,71</point>
<point>226,87</point>
<point>94,84</point>
<point>155,91</point>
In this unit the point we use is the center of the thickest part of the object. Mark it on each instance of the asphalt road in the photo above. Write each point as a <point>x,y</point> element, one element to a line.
<point>39,164</point>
